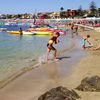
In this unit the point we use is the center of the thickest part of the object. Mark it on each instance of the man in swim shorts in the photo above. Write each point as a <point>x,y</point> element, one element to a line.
<point>50,47</point>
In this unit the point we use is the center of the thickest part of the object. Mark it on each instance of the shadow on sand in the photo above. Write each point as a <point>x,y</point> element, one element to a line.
<point>61,58</point>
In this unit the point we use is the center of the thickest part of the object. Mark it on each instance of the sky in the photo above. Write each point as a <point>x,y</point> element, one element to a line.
<point>31,6</point>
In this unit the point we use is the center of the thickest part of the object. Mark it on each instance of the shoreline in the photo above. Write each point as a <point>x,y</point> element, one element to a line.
<point>24,70</point>
<point>31,85</point>
<point>37,81</point>
<point>87,67</point>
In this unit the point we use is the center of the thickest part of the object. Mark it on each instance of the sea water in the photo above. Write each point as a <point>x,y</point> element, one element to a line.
<point>18,52</point>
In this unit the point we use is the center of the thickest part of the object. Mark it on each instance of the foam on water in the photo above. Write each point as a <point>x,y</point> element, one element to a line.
<point>42,59</point>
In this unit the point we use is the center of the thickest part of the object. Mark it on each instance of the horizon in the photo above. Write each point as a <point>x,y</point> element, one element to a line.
<point>24,6</point>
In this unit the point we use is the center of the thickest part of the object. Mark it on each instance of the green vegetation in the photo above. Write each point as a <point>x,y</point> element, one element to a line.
<point>92,11</point>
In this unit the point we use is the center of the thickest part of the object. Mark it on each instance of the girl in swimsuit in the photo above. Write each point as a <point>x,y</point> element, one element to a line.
<point>50,47</point>
<point>84,40</point>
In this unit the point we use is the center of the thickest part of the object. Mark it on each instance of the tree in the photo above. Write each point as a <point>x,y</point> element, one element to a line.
<point>9,16</point>
<point>98,12</point>
<point>92,8</point>
<point>61,8</point>
<point>18,16</point>
<point>80,11</point>
<point>61,12</point>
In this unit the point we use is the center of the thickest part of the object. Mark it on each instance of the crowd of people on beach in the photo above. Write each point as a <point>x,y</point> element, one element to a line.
<point>85,39</point>
<point>74,29</point>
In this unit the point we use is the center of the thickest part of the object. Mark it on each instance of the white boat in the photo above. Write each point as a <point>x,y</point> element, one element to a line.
<point>31,32</point>
<point>3,29</point>
<point>27,33</point>
<point>17,32</point>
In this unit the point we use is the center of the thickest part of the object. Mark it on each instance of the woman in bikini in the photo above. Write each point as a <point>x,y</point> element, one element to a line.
<point>50,47</point>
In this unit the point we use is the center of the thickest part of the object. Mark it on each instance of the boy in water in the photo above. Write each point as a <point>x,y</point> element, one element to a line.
<point>84,40</point>
<point>50,47</point>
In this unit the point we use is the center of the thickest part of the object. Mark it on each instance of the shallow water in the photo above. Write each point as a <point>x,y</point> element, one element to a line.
<point>18,52</point>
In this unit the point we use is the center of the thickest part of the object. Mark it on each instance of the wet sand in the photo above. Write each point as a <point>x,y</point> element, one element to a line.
<point>32,84</point>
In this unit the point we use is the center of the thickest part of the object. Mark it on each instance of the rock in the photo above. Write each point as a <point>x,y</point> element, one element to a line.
<point>59,93</point>
<point>90,84</point>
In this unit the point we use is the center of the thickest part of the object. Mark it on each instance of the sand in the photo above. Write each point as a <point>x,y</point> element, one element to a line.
<point>88,66</point>
<point>68,72</point>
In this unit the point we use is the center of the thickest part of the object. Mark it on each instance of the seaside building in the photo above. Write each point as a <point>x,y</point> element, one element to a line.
<point>55,15</point>
<point>71,13</point>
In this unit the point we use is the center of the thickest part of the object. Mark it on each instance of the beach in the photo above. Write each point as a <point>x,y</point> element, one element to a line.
<point>75,64</point>
<point>50,50</point>
<point>89,66</point>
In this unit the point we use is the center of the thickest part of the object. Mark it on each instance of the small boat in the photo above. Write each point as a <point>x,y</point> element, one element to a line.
<point>38,31</point>
<point>42,33</point>
<point>45,31</point>
<point>31,33</point>
<point>17,32</point>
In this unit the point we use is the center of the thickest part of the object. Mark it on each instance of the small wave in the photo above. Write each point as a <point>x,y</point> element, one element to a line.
<point>42,59</point>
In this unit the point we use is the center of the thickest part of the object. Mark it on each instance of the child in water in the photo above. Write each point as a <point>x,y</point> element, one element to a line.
<point>50,47</point>
<point>21,31</point>
<point>84,40</point>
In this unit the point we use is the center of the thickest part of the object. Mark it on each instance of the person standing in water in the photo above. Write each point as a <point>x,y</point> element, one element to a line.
<point>21,31</point>
<point>72,29</point>
<point>84,41</point>
<point>50,47</point>
<point>76,29</point>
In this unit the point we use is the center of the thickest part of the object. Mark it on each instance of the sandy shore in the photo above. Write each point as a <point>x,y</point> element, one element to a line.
<point>68,72</point>
<point>88,66</point>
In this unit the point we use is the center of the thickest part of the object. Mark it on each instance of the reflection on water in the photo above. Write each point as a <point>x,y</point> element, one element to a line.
<point>17,52</point>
